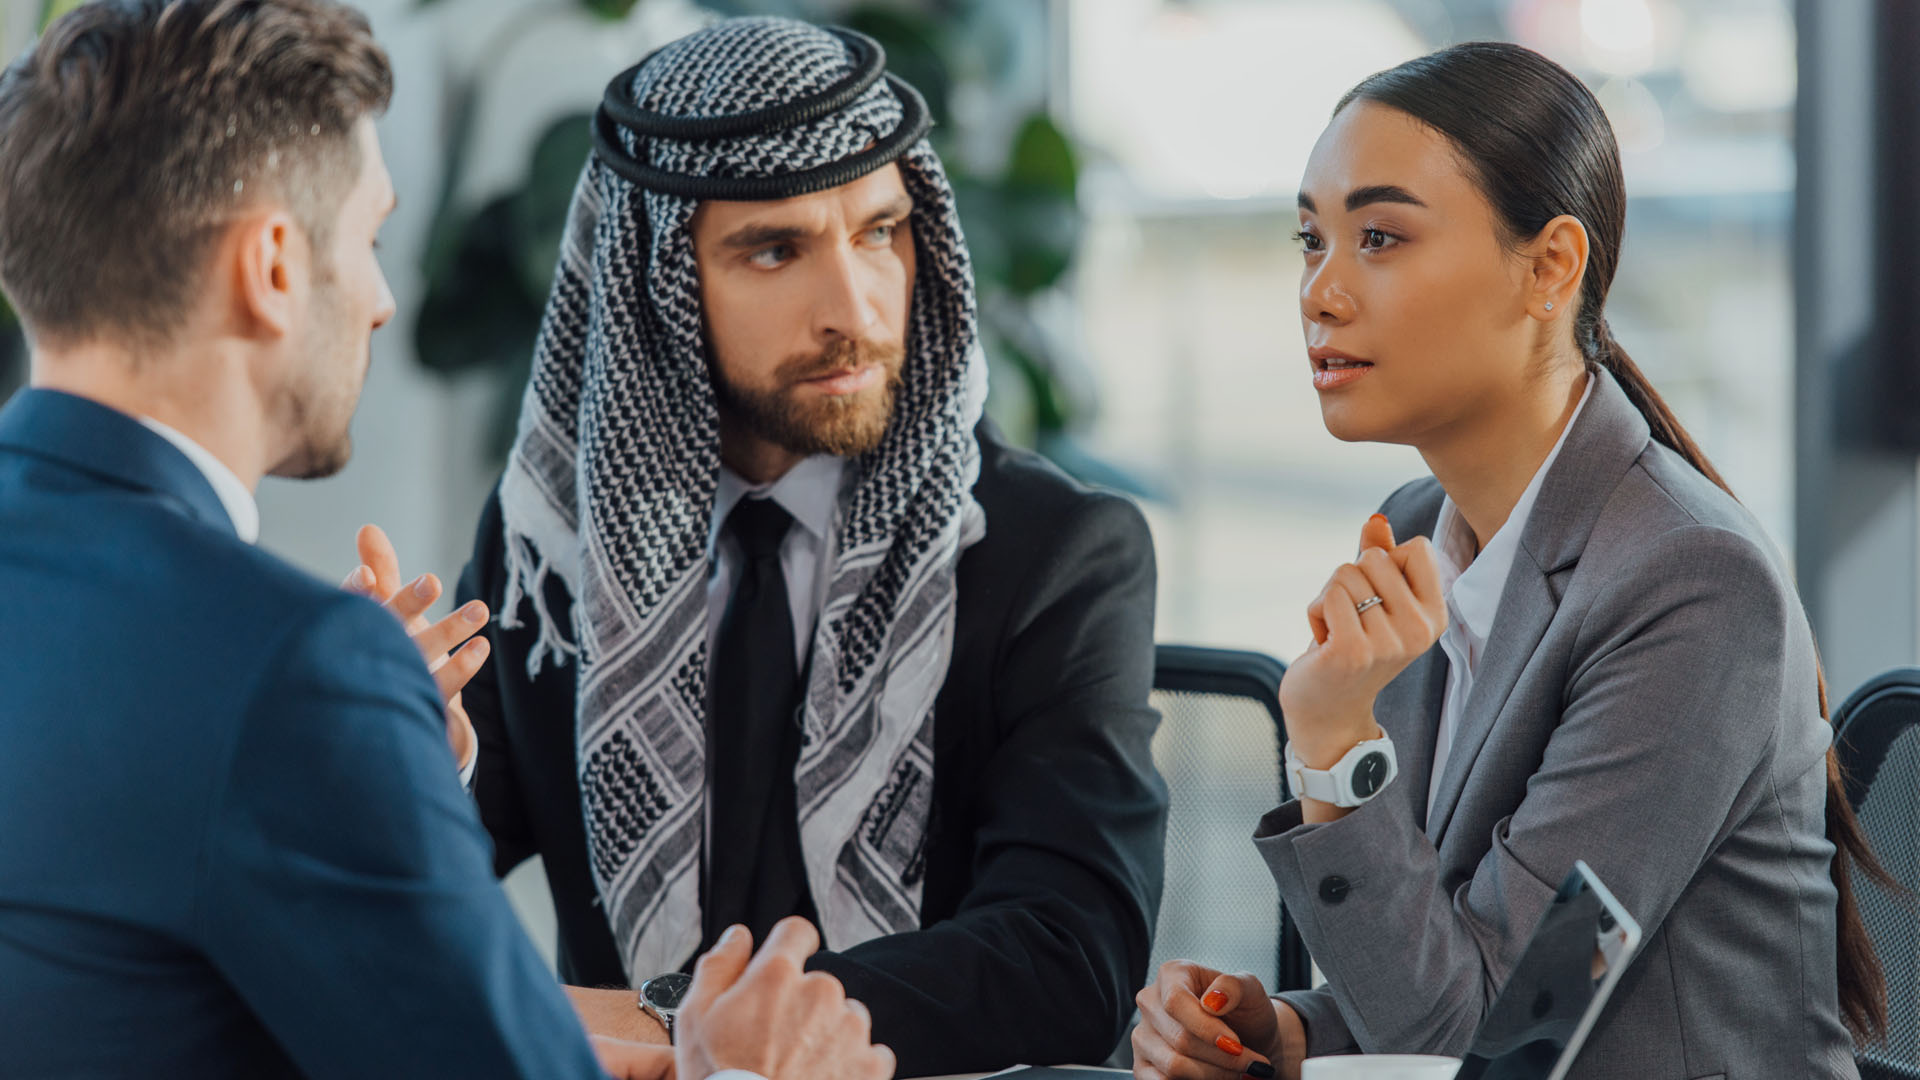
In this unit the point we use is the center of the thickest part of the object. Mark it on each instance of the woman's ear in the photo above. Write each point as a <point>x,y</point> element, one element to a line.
<point>1559,258</point>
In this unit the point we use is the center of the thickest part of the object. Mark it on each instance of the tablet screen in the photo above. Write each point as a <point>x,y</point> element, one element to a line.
<point>1558,987</point>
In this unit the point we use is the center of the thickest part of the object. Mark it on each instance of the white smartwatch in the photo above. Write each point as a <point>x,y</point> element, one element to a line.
<point>1357,777</point>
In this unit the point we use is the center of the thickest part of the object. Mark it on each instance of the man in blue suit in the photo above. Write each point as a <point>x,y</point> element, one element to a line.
<point>233,841</point>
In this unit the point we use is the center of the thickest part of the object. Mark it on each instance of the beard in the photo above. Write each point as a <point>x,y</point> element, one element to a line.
<point>844,426</point>
<point>316,405</point>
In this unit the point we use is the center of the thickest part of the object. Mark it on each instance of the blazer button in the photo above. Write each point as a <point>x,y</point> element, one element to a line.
<point>1334,888</point>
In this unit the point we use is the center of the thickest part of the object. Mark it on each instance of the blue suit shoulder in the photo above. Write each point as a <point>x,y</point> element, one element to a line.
<point>239,608</point>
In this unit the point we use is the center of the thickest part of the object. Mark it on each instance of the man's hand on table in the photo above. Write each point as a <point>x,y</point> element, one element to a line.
<point>767,1014</point>
<point>761,1013</point>
<point>633,1061</point>
<point>616,1013</point>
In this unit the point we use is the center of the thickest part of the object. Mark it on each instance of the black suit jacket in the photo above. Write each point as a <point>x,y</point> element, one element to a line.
<point>1044,862</point>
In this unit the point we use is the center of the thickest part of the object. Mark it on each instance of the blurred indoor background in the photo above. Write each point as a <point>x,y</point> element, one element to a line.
<point>1127,171</point>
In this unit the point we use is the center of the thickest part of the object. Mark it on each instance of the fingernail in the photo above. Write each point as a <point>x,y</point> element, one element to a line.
<point>1260,1070</point>
<point>1214,1001</point>
<point>1229,1045</point>
<point>362,578</point>
<point>1381,518</point>
<point>733,934</point>
<point>423,586</point>
<point>475,613</point>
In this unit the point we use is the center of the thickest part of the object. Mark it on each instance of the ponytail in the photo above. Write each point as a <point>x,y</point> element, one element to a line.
<point>1863,981</point>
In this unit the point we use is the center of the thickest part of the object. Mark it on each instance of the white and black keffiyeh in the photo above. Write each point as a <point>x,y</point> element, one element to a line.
<point>612,478</point>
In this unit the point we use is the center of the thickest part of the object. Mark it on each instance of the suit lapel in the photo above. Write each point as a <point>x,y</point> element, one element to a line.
<point>1526,607</point>
<point>1607,438</point>
<point>1407,711</point>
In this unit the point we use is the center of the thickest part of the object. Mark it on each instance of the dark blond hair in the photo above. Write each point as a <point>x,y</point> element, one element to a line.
<point>135,130</point>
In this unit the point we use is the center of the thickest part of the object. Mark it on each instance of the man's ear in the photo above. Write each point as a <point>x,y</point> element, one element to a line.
<point>269,260</point>
<point>1559,257</point>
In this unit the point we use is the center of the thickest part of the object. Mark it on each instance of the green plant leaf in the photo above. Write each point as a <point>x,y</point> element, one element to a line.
<point>1043,159</point>
<point>540,208</point>
<point>916,52</point>
<point>13,351</point>
<point>53,9</point>
<point>983,220</point>
<point>477,314</point>
<point>1042,238</point>
<point>609,9</point>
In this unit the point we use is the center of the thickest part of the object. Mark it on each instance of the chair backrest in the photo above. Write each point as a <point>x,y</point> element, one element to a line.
<point>1218,748</point>
<point>1879,746</point>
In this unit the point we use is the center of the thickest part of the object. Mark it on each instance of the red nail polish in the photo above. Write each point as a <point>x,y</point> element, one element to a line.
<point>1214,1001</point>
<point>1229,1045</point>
<point>1380,517</point>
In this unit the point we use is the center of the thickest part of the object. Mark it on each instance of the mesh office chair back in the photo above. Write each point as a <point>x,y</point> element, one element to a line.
<point>1219,749</point>
<point>1879,745</point>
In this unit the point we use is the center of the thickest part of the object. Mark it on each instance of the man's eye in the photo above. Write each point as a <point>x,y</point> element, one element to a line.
<point>771,257</point>
<point>881,234</point>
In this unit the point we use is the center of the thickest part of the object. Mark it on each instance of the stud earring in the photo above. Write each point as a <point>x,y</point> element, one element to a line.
<point>1549,305</point>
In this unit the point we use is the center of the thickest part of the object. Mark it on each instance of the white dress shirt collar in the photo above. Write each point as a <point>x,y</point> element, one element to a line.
<point>810,491</point>
<point>1474,583</point>
<point>233,495</point>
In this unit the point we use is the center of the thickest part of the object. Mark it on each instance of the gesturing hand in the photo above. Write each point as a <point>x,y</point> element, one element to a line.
<point>1327,695</point>
<point>1197,1024</point>
<point>453,665</point>
<point>765,1013</point>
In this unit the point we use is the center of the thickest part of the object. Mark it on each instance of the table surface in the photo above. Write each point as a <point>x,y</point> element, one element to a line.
<point>984,1075</point>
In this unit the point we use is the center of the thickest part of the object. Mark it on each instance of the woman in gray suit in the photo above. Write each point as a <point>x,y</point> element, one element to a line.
<point>1624,673</point>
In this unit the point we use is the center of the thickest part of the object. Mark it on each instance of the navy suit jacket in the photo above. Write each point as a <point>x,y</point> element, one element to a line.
<point>232,839</point>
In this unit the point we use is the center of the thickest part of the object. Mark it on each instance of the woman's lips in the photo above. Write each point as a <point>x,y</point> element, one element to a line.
<point>1333,370</point>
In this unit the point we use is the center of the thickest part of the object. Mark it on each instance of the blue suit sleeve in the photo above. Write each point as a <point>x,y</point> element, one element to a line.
<point>347,893</point>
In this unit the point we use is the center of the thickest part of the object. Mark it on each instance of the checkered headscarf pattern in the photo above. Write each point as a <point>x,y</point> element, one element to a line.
<point>611,486</point>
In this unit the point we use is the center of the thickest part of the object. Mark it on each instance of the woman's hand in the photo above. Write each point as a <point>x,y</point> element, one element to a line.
<point>1197,1024</point>
<point>1327,695</point>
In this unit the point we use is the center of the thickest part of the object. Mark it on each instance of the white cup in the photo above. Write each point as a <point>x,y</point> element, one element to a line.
<point>1380,1067</point>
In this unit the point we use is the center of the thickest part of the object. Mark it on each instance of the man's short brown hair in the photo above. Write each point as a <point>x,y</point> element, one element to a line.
<point>135,130</point>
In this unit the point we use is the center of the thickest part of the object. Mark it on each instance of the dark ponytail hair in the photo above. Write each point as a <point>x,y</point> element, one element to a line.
<point>1538,145</point>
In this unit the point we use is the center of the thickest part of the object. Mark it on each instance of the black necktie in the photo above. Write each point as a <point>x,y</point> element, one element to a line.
<point>755,873</point>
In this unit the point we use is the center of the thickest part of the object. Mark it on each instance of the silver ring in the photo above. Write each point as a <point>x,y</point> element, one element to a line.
<point>1367,605</point>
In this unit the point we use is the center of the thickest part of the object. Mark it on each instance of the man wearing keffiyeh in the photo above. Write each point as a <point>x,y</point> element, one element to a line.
<point>785,626</point>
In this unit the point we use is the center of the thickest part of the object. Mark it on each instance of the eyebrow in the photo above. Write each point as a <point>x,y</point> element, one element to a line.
<point>898,208</point>
<point>759,236</point>
<point>1369,195</point>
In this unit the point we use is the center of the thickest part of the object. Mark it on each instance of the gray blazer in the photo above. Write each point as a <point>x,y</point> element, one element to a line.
<point>1647,703</point>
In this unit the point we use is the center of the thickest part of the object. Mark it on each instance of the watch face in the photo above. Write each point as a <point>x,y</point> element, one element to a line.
<point>1369,774</point>
<point>665,992</point>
